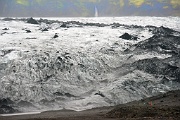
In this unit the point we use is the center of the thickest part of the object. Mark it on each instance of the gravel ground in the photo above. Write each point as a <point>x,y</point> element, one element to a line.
<point>161,107</point>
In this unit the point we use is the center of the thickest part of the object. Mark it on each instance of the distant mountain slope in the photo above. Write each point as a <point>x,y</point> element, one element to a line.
<point>85,8</point>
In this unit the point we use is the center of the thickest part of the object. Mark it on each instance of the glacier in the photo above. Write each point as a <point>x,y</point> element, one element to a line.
<point>87,65</point>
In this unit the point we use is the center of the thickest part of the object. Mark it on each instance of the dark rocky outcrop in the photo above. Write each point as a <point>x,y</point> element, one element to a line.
<point>32,21</point>
<point>58,94</point>
<point>5,109</point>
<point>6,101</point>
<point>6,106</point>
<point>64,25</point>
<point>69,95</point>
<point>45,29</point>
<point>116,25</point>
<point>48,21</point>
<point>164,41</point>
<point>44,21</point>
<point>127,36</point>
<point>5,29</point>
<point>161,43</point>
<point>100,94</point>
<point>162,31</point>
<point>158,67</point>
<point>56,35</point>
<point>28,31</point>
<point>95,24</point>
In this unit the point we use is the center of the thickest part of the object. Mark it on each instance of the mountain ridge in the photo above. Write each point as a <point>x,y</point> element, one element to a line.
<point>84,8</point>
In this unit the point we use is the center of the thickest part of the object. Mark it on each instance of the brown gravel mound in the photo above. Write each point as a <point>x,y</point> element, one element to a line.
<point>164,106</point>
<point>145,112</point>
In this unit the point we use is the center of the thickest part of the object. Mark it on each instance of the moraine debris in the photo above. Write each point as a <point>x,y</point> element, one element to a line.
<point>127,36</point>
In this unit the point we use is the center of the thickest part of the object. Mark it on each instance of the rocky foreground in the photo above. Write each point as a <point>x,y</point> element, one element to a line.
<point>162,107</point>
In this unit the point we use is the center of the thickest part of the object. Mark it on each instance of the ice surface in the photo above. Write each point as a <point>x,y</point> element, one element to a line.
<point>81,69</point>
<point>16,114</point>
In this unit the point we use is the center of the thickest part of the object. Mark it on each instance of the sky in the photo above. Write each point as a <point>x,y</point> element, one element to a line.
<point>86,8</point>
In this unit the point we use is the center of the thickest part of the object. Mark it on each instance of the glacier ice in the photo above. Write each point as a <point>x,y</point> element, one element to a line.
<point>85,67</point>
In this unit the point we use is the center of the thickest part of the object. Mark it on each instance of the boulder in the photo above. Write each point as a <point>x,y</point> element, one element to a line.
<point>55,36</point>
<point>28,31</point>
<point>32,21</point>
<point>127,36</point>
